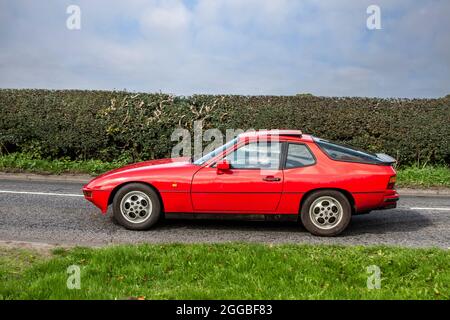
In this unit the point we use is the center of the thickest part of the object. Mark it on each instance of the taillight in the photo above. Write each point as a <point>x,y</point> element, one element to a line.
<point>391,182</point>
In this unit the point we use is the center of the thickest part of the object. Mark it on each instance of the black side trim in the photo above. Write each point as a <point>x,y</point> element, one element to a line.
<point>232,216</point>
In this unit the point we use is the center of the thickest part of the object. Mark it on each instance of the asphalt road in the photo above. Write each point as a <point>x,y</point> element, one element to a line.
<point>56,213</point>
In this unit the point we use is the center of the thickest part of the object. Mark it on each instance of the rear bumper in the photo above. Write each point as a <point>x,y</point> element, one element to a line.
<point>390,200</point>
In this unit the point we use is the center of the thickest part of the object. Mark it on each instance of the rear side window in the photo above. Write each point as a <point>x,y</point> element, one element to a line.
<point>298,155</point>
<point>344,153</point>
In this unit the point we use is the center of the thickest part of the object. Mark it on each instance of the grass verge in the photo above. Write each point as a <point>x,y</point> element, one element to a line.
<point>228,271</point>
<point>14,262</point>
<point>424,177</point>
<point>22,162</point>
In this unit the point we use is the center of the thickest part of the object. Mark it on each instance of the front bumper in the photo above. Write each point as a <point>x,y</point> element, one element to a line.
<point>98,197</point>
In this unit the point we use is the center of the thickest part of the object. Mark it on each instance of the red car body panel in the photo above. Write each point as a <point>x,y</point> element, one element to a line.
<point>185,187</point>
<point>235,190</point>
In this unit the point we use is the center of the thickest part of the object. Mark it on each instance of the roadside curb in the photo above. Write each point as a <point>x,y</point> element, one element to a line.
<point>85,178</point>
<point>444,192</point>
<point>80,178</point>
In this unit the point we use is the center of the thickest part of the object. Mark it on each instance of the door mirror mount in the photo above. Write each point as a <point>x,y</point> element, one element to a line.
<point>224,165</point>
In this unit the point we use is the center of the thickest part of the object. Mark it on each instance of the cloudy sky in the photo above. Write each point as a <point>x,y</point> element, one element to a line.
<point>280,47</point>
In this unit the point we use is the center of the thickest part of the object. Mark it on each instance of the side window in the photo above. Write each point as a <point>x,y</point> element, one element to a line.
<point>256,155</point>
<point>298,156</point>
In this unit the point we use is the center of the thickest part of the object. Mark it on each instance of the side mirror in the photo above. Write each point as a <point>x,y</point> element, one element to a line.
<point>224,165</point>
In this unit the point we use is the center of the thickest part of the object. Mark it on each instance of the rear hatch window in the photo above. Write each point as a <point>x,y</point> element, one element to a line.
<point>342,152</point>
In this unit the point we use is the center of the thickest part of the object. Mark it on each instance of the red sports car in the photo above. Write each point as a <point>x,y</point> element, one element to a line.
<point>271,173</point>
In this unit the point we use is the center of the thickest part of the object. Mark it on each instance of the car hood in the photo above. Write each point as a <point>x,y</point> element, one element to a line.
<point>161,163</point>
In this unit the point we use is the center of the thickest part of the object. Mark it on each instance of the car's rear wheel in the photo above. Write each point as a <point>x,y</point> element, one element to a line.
<point>136,206</point>
<point>326,213</point>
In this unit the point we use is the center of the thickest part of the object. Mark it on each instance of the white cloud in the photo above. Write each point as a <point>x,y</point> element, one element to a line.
<point>229,46</point>
<point>166,18</point>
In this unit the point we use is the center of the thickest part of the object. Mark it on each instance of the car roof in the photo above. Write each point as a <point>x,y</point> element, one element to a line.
<point>294,134</point>
<point>273,132</point>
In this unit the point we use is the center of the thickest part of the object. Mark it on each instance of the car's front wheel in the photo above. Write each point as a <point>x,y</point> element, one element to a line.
<point>326,213</point>
<point>136,206</point>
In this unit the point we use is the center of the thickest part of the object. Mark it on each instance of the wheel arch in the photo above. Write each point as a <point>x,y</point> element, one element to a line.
<point>118,187</point>
<point>346,193</point>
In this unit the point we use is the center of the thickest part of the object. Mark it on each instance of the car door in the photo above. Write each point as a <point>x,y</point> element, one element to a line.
<point>252,184</point>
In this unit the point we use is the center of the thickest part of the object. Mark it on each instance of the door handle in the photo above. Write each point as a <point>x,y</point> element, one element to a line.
<point>271,178</point>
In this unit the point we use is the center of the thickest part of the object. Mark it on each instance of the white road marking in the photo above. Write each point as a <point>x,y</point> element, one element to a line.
<point>80,195</point>
<point>438,209</point>
<point>43,193</point>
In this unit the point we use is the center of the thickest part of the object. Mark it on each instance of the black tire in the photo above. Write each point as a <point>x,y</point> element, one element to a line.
<point>315,202</point>
<point>153,211</point>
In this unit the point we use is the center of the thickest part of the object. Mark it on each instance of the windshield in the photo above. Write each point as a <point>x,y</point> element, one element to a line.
<point>215,152</point>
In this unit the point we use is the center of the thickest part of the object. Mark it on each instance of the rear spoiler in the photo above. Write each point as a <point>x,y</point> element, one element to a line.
<point>386,159</point>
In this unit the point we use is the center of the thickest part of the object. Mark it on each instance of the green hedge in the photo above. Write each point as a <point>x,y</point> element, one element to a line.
<point>109,125</point>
